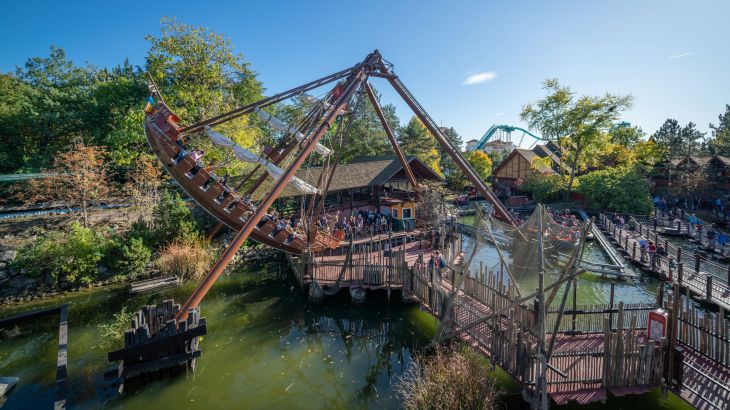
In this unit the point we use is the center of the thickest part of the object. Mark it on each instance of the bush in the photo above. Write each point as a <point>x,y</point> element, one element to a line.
<point>543,188</point>
<point>186,259</point>
<point>111,335</point>
<point>128,256</point>
<point>73,256</point>
<point>171,220</point>
<point>455,378</point>
<point>617,189</point>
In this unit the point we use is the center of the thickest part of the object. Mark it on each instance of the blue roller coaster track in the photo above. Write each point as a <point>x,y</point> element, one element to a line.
<point>497,128</point>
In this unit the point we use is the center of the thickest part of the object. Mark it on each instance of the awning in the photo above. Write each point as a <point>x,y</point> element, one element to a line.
<point>247,156</point>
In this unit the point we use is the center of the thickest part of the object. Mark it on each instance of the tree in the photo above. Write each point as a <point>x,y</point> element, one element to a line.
<point>678,141</point>
<point>481,163</point>
<point>78,179</point>
<point>365,136</point>
<point>720,143</point>
<point>200,76</point>
<point>668,137</point>
<point>415,139</point>
<point>145,179</point>
<point>692,140</point>
<point>577,122</point>
<point>626,135</point>
<point>49,103</point>
<point>543,187</point>
<point>449,168</point>
<point>620,189</point>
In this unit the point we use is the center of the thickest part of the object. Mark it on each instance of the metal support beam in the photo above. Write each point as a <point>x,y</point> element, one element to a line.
<point>353,83</point>
<point>391,137</point>
<point>246,109</point>
<point>446,145</point>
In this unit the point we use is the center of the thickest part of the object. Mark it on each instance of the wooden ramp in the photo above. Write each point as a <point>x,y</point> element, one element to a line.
<point>706,383</point>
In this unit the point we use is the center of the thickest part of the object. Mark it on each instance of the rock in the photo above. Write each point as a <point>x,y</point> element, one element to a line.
<point>7,256</point>
<point>357,295</point>
<point>22,282</point>
<point>3,265</point>
<point>4,275</point>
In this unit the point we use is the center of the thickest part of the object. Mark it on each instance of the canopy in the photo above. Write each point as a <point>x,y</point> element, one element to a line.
<point>247,156</point>
<point>280,125</point>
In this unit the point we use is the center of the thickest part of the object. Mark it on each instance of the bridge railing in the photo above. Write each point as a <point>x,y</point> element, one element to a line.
<point>590,318</point>
<point>708,279</point>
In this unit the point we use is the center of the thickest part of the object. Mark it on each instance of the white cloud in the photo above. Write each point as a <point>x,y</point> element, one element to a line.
<point>480,78</point>
<point>499,113</point>
<point>682,55</point>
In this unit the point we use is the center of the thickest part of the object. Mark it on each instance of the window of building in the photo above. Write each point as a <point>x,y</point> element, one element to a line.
<point>395,213</point>
<point>407,213</point>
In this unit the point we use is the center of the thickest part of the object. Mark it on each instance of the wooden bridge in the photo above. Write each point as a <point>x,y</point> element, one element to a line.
<point>703,278</point>
<point>596,349</point>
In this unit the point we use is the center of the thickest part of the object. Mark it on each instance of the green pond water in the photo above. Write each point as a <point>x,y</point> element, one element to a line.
<point>265,348</point>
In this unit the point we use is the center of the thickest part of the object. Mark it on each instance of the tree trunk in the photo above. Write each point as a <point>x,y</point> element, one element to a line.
<point>572,171</point>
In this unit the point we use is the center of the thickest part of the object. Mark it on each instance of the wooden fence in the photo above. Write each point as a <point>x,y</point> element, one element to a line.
<point>706,332</point>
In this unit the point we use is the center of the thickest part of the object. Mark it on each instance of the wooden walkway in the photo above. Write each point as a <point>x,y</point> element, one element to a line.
<point>694,276</point>
<point>705,384</point>
<point>598,349</point>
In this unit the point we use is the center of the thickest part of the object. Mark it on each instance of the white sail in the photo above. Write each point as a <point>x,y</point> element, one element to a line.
<point>280,125</point>
<point>247,156</point>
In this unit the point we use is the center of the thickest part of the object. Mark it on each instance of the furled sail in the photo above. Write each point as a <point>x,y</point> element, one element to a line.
<point>247,156</point>
<point>280,125</point>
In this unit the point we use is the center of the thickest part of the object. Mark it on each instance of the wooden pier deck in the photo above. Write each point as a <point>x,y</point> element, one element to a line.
<point>698,276</point>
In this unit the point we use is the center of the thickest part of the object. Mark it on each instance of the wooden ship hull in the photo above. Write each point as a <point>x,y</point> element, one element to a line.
<point>162,130</point>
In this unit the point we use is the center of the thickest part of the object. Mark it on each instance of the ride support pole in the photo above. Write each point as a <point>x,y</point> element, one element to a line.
<point>197,296</point>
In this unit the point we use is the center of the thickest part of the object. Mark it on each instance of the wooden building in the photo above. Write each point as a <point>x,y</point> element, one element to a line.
<point>377,183</point>
<point>717,168</point>
<point>521,164</point>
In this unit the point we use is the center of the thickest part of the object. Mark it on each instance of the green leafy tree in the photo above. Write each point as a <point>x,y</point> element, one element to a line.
<point>481,163</point>
<point>200,76</point>
<point>579,123</point>
<point>620,189</point>
<point>415,139</point>
<point>692,140</point>
<point>543,187</point>
<point>678,141</point>
<point>626,135</point>
<point>449,168</point>
<point>720,143</point>
<point>365,136</point>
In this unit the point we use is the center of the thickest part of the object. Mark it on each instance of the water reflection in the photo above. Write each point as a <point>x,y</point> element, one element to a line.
<point>265,349</point>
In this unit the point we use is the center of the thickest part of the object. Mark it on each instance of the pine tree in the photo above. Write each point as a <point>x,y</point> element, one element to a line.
<point>416,140</point>
<point>720,142</point>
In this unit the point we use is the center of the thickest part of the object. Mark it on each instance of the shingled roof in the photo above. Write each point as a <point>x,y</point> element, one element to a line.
<point>365,171</point>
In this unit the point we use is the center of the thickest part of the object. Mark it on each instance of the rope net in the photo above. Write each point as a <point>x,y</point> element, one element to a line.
<point>518,247</point>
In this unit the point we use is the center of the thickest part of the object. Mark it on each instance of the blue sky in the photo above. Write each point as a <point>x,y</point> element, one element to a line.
<point>673,56</point>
